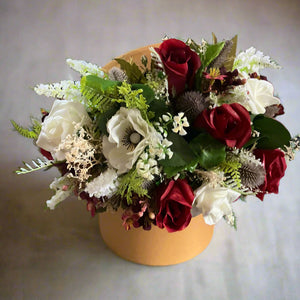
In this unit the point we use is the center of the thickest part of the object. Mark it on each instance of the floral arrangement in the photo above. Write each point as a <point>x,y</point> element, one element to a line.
<point>187,130</point>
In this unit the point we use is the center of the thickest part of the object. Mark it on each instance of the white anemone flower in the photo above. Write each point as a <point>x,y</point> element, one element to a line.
<point>129,135</point>
<point>213,202</point>
<point>259,95</point>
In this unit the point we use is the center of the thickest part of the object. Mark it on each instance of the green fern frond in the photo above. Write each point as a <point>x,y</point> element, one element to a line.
<point>38,164</point>
<point>26,132</point>
<point>99,92</point>
<point>129,184</point>
<point>231,168</point>
<point>133,98</point>
<point>237,187</point>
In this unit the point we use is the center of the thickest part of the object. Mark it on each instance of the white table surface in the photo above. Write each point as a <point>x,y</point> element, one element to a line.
<point>59,254</point>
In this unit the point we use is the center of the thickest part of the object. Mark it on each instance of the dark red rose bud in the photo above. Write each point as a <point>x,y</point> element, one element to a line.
<point>174,201</point>
<point>275,165</point>
<point>180,63</point>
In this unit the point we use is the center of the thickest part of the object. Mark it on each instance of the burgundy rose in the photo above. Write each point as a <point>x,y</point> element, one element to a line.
<point>229,123</point>
<point>180,62</point>
<point>275,165</point>
<point>174,201</point>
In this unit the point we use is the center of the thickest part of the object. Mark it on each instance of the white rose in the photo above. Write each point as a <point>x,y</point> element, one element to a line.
<point>60,122</point>
<point>213,202</point>
<point>259,95</point>
<point>129,134</point>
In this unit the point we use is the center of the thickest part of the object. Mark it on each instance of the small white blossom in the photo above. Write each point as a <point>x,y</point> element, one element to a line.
<point>179,122</point>
<point>85,68</point>
<point>166,118</point>
<point>104,185</point>
<point>147,167</point>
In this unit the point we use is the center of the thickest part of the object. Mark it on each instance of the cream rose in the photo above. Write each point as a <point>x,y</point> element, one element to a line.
<point>213,202</point>
<point>129,135</point>
<point>60,122</point>
<point>259,95</point>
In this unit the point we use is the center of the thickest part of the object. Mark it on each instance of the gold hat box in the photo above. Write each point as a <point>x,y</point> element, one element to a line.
<point>155,247</point>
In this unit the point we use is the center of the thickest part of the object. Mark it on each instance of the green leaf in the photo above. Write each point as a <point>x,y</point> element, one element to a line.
<point>183,157</point>
<point>97,84</point>
<point>208,150</point>
<point>133,72</point>
<point>98,92</point>
<point>159,107</point>
<point>211,53</point>
<point>103,118</point>
<point>148,93</point>
<point>273,134</point>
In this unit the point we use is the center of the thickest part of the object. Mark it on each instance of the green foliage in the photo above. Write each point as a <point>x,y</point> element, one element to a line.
<point>231,168</point>
<point>102,119</point>
<point>129,184</point>
<point>132,98</point>
<point>272,133</point>
<point>212,51</point>
<point>132,71</point>
<point>99,92</point>
<point>38,164</point>
<point>183,158</point>
<point>31,133</point>
<point>208,150</point>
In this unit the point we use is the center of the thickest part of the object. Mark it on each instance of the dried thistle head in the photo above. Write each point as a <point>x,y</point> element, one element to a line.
<point>116,74</point>
<point>192,103</point>
<point>252,174</point>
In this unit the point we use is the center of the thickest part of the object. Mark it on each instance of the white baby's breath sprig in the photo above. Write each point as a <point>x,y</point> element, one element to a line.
<point>85,68</point>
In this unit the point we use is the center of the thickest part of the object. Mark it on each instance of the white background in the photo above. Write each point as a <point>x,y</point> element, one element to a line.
<point>59,254</point>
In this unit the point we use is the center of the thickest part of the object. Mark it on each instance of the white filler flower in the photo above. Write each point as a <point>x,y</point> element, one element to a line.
<point>61,121</point>
<point>213,202</point>
<point>129,134</point>
<point>259,95</point>
<point>103,185</point>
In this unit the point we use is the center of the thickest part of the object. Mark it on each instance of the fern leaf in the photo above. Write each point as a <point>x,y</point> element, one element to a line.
<point>28,133</point>
<point>38,164</point>
<point>98,92</point>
